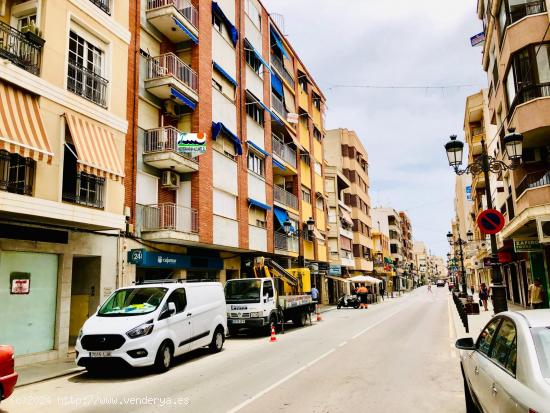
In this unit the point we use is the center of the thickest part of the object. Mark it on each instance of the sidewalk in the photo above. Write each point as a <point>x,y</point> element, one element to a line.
<point>476,322</point>
<point>37,372</point>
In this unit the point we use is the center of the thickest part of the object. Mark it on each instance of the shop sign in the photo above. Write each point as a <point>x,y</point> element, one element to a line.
<point>478,39</point>
<point>468,193</point>
<point>20,283</point>
<point>152,259</point>
<point>335,270</point>
<point>192,143</point>
<point>292,118</point>
<point>527,245</point>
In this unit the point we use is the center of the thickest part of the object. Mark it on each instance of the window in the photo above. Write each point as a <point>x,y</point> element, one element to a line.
<point>254,111</point>
<point>320,202</point>
<point>316,101</point>
<point>317,168</point>
<point>268,289</point>
<point>104,5</point>
<point>306,195</point>
<point>84,75</point>
<point>393,248</point>
<point>179,299</point>
<point>504,341</point>
<point>302,81</point>
<point>26,21</point>
<point>217,23</point>
<point>317,134</point>
<point>513,10</point>
<point>225,146</point>
<point>486,337</point>
<point>256,163</point>
<point>252,12</point>
<point>330,185</point>
<point>217,86</point>
<point>251,58</point>
<point>257,217</point>
<point>16,173</point>
<point>306,159</point>
<point>224,204</point>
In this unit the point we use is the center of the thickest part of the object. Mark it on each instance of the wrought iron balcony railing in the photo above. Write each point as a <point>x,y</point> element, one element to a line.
<point>104,5</point>
<point>533,180</point>
<point>169,64</point>
<point>17,48</point>
<point>185,7</point>
<point>284,151</point>
<point>87,84</point>
<point>89,191</point>
<point>164,139</point>
<point>285,197</point>
<point>169,216</point>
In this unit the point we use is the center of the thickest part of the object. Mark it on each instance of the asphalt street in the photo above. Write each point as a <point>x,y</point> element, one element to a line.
<point>397,356</point>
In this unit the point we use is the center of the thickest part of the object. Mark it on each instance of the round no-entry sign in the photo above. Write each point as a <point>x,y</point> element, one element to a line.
<point>490,221</point>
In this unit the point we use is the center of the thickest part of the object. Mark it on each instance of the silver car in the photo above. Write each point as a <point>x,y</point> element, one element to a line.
<point>508,368</point>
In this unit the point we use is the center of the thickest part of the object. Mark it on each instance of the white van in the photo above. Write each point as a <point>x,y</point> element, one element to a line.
<point>149,324</point>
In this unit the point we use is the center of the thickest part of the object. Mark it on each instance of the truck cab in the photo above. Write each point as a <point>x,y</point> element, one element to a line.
<point>251,303</point>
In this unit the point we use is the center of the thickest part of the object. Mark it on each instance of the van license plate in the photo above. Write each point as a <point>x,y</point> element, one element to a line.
<point>100,354</point>
<point>237,321</point>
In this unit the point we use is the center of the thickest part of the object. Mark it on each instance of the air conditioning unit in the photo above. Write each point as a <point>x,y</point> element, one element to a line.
<point>543,229</point>
<point>170,180</point>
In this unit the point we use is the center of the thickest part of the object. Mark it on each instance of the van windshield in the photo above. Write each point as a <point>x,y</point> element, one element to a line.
<point>242,291</point>
<point>132,301</point>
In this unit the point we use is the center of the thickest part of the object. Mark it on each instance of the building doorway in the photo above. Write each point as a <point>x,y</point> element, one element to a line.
<point>85,294</point>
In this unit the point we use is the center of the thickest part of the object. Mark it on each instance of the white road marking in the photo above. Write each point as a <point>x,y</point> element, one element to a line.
<point>342,344</point>
<point>277,384</point>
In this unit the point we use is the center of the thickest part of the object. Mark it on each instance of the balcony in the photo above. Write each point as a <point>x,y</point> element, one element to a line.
<point>284,152</point>
<point>168,223</point>
<point>363,264</point>
<point>346,258</point>
<point>169,15</point>
<point>533,190</point>
<point>161,151</point>
<point>18,48</point>
<point>284,197</point>
<point>279,107</point>
<point>87,84</point>
<point>477,135</point>
<point>285,243</point>
<point>167,72</point>
<point>278,64</point>
<point>519,11</point>
<point>104,5</point>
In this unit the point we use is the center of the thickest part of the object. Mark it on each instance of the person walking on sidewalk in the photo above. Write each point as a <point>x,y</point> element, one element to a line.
<point>472,289</point>
<point>430,288</point>
<point>315,297</point>
<point>535,295</point>
<point>484,295</point>
<point>382,291</point>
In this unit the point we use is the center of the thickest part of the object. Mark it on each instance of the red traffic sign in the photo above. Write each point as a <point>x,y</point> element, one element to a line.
<point>490,221</point>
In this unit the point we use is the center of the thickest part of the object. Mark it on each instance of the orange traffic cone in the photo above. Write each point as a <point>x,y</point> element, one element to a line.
<point>319,315</point>
<point>273,338</point>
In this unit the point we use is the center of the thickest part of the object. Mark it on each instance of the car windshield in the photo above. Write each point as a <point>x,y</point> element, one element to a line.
<point>132,301</point>
<point>542,344</point>
<point>243,291</point>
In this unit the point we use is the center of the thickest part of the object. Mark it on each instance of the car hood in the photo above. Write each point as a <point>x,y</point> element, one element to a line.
<point>114,325</point>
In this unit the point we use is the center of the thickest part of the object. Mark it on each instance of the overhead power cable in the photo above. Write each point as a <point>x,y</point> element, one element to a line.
<point>423,87</point>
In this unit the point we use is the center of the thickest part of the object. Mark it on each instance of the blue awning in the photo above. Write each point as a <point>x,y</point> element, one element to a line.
<point>259,204</point>
<point>264,107</point>
<point>249,46</point>
<point>278,165</point>
<point>277,85</point>
<point>218,127</point>
<point>276,118</point>
<point>250,143</point>
<point>222,72</point>
<point>233,32</point>
<point>184,29</point>
<point>282,217</point>
<point>182,98</point>
<point>279,42</point>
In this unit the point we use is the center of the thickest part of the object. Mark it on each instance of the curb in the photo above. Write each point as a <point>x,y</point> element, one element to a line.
<point>52,376</point>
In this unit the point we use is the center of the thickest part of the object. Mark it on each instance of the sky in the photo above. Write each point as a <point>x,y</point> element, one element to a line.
<point>397,43</point>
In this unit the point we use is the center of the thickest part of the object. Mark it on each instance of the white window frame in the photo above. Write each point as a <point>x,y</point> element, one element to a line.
<point>306,194</point>
<point>257,162</point>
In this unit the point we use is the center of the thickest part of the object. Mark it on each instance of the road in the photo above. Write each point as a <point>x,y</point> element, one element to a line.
<point>397,356</point>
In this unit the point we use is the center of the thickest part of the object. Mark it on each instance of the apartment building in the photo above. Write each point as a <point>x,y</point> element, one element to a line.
<point>224,160</point>
<point>383,263</point>
<point>515,57</point>
<point>406,231</point>
<point>420,254</point>
<point>63,76</point>
<point>345,151</point>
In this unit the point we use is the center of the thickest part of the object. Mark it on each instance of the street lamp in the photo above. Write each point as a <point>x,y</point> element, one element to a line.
<point>310,225</point>
<point>460,242</point>
<point>513,143</point>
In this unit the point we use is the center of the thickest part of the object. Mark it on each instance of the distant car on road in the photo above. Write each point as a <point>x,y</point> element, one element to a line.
<point>440,283</point>
<point>507,369</point>
<point>8,375</point>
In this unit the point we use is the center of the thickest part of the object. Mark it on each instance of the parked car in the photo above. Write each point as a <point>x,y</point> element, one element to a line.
<point>507,369</point>
<point>440,283</point>
<point>8,375</point>
<point>149,324</point>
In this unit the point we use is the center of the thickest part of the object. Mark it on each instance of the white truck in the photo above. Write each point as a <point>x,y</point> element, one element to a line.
<point>273,296</point>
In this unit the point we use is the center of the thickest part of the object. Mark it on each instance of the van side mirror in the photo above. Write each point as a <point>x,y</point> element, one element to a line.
<point>166,313</point>
<point>171,308</point>
<point>466,343</point>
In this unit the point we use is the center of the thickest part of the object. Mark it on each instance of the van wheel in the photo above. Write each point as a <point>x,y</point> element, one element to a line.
<point>163,360</point>
<point>217,340</point>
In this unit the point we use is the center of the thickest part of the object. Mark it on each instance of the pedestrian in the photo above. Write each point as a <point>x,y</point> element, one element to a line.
<point>429,288</point>
<point>535,295</point>
<point>363,293</point>
<point>382,291</point>
<point>472,289</point>
<point>484,295</point>
<point>315,296</point>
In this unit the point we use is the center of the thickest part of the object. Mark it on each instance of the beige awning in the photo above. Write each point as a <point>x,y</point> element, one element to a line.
<point>345,215</point>
<point>95,147</point>
<point>344,280</point>
<point>21,128</point>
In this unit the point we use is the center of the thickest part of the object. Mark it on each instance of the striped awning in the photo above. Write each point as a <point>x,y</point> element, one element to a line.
<point>21,128</point>
<point>95,148</point>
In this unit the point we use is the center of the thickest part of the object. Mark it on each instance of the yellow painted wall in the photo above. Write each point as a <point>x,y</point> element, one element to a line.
<point>308,250</point>
<point>306,211</point>
<point>320,221</point>
<point>303,99</point>
<point>316,115</point>
<point>322,252</point>
<point>319,187</point>
<point>305,174</point>
<point>318,151</point>
<point>304,135</point>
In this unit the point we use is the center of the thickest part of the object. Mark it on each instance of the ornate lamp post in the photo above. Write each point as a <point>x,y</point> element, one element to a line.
<point>485,163</point>
<point>460,242</point>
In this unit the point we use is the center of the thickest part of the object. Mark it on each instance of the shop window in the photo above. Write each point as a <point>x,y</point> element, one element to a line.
<point>16,173</point>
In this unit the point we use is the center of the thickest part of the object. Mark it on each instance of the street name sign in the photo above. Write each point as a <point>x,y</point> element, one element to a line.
<point>490,221</point>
